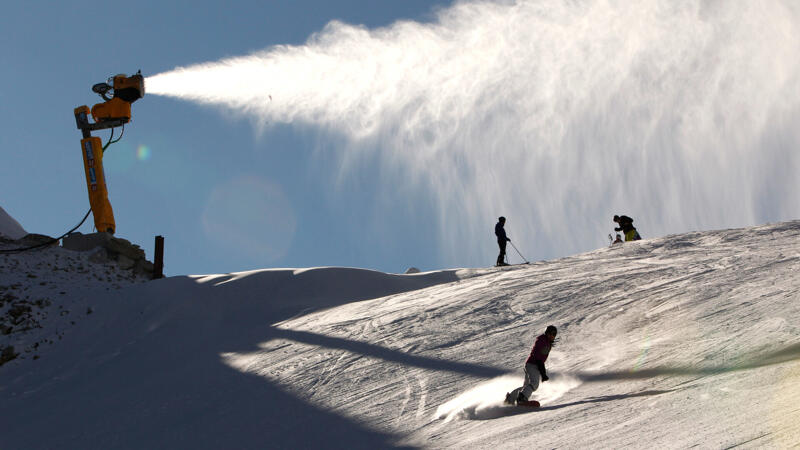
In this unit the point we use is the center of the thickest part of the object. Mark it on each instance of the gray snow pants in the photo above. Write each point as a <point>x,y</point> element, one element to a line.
<point>531,382</point>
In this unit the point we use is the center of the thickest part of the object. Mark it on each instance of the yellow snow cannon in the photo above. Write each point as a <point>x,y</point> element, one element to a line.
<point>126,90</point>
<point>114,112</point>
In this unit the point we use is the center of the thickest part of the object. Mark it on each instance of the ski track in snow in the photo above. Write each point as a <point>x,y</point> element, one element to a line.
<point>631,297</point>
<point>661,341</point>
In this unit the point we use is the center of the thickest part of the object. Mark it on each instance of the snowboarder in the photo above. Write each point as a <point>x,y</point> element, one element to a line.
<point>534,368</point>
<point>626,226</point>
<point>500,232</point>
<point>617,239</point>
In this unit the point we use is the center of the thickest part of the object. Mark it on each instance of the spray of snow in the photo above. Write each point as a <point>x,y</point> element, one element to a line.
<point>556,114</point>
<point>485,401</point>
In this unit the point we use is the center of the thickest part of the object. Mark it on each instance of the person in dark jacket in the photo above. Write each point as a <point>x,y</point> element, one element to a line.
<point>534,367</point>
<point>500,232</point>
<point>626,226</point>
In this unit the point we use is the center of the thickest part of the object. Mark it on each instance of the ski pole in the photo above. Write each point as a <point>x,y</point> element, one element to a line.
<point>520,254</point>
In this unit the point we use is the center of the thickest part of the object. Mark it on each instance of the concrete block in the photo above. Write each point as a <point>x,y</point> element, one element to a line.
<point>80,242</point>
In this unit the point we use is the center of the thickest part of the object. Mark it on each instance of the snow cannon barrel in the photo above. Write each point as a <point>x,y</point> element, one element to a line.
<point>127,89</point>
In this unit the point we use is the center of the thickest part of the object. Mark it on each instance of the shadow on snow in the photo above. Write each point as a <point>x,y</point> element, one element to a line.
<point>497,411</point>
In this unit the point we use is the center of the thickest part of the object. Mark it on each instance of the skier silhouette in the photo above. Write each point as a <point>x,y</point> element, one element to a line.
<point>500,232</point>
<point>626,226</point>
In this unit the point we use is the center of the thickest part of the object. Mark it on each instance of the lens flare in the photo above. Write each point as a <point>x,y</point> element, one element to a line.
<point>143,153</point>
<point>252,217</point>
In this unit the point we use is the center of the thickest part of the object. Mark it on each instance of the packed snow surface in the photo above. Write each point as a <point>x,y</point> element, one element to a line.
<point>675,342</point>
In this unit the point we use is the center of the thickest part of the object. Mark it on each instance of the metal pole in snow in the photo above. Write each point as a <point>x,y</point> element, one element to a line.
<point>158,259</point>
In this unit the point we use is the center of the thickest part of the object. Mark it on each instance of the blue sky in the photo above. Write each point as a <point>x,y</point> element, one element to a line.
<point>395,144</point>
<point>174,154</point>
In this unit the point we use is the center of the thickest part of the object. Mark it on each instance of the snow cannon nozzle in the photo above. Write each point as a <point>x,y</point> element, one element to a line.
<point>126,88</point>
<point>130,88</point>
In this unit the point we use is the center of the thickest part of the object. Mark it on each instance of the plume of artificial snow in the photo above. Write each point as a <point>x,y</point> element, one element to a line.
<point>555,114</point>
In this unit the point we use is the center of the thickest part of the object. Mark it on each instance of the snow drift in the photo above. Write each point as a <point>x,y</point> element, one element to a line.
<point>9,227</point>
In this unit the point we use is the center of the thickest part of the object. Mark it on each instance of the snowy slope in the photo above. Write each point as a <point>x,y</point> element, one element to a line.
<point>47,292</point>
<point>687,340</point>
<point>9,227</point>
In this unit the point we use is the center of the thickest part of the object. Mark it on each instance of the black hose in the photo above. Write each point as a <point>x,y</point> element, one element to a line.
<point>52,241</point>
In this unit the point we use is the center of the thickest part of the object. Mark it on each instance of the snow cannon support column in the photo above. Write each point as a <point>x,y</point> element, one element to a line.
<point>96,183</point>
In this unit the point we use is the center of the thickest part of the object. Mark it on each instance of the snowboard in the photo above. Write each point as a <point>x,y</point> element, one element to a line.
<point>528,403</point>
